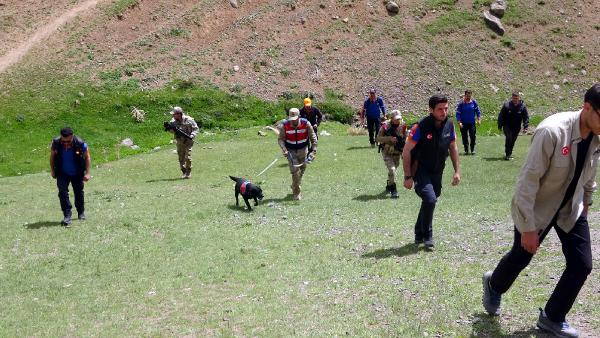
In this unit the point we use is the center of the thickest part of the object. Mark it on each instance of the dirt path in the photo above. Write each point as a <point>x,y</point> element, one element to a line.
<point>15,54</point>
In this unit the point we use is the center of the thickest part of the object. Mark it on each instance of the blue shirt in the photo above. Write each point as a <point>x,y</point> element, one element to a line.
<point>465,112</point>
<point>68,160</point>
<point>374,109</point>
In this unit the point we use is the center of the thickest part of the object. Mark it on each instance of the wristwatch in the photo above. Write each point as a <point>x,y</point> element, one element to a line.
<point>407,177</point>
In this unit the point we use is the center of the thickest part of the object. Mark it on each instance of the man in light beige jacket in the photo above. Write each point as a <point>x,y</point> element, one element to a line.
<point>554,190</point>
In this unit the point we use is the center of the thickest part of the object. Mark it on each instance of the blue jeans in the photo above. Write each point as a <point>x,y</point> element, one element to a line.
<point>62,181</point>
<point>429,187</point>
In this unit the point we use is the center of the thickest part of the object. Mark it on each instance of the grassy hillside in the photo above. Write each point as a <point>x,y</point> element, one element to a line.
<point>160,256</point>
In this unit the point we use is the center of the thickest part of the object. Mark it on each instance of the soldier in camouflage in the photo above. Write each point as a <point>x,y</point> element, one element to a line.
<point>295,136</point>
<point>392,136</point>
<point>184,145</point>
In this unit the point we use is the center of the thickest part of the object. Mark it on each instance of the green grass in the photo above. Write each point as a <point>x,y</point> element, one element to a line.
<point>451,21</point>
<point>102,116</point>
<point>159,256</point>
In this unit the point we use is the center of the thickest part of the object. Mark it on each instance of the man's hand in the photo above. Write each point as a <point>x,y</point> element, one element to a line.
<point>285,153</point>
<point>460,125</point>
<point>586,207</point>
<point>394,140</point>
<point>53,174</point>
<point>456,178</point>
<point>86,177</point>
<point>478,121</point>
<point>408,183</point>
<point>530,241</point>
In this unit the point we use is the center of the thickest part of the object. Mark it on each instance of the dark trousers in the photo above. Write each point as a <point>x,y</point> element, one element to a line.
<point>467,132</point>
<point>62,181</point>
<point>373,125</point>
<point>428,187</point>
<point>511,135</point>
<point>577,249</point>
<point>310,146</point>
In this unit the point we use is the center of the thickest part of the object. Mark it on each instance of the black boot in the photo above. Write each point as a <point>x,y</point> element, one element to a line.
<point>388,187</point>
<point>393,191</point>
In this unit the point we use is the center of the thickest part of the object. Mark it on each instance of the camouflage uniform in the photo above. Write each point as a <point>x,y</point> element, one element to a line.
<point>184,145</point>
<point>391,153</point>
<point>297,157</point>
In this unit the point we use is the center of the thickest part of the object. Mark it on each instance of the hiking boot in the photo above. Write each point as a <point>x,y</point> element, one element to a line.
<point>297,197</point>
<point>507,158</point>
<point>388,188</point>
<point>81,216</point>
<point>393,191</point>
<point>559,329</point>
<point>429,244</point>
<point>491,298</point>
<point>66,220</point>
<point>473,153</point>
<point>418,241</point>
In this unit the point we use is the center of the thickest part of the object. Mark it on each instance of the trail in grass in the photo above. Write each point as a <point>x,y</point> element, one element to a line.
<point>15,54</point>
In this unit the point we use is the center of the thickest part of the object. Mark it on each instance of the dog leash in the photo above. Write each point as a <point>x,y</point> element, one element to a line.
<point>269,166</point>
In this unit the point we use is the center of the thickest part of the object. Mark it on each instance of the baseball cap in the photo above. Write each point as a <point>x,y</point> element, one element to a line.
<point>307,101</point>
<point>396,115</point>
<point>372,91</point>
<point>294,114</point>
<point>176,110</point>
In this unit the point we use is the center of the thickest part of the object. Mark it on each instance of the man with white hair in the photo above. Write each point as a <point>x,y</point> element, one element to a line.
<point>184,145</point>
<point>295,136</point>
<point>392,135</point>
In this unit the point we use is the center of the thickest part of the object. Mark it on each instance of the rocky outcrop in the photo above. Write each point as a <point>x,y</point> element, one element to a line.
<point>498,8</point>
<point>493,22</point>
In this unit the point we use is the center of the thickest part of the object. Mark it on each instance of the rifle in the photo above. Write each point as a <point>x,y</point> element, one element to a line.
<point>178,131</point>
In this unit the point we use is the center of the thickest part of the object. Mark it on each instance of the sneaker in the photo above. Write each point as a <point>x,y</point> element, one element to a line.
<point>429,245</point>
<point>188,175</point>
<point>184,176</point>
<point>388,188</point>
<point>491,298</point>
<point>393,191</point>
<point>297,197</point>
<point>81,216</point>
<point>473,153</point>
<point>372,145</point>
<point>507,158</point>
<point>418,241</point>
<point>66,221</point>
<point>559,329</point>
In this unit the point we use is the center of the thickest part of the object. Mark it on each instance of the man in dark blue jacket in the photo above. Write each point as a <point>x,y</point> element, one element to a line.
<point>512,114</point>
<point>467,115</point>
<point>374,108</point>
<point>70,163</point>
<point>427,147</point>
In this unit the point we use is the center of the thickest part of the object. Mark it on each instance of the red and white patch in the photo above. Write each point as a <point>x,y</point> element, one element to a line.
<point>565,151</point>
<point>429,136</point>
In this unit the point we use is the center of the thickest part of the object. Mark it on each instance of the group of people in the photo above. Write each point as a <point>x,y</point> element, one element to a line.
<point>554,188</point>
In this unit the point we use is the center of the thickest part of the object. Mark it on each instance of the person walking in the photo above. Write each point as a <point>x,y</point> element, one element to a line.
<point>392,136</point>
<point>468,115</point>
<point>313,115</point>
<point>70,164</point>
<point>373,107</point>
<point>295,136</point>
<point>554,190</point>
<point>512,114</point>
<point>427,147</point>
<point>184,145</point>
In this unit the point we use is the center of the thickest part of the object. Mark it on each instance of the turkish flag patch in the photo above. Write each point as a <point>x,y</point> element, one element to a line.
<point>565,151</point>
<point>429,136</point>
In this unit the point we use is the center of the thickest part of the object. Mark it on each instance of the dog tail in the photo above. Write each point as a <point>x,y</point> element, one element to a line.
<point>235,179</point>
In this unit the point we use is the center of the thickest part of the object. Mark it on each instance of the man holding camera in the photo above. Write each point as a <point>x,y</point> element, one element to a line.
<point>70,163</point>
<point>392,136</point>
<point>186,124</point>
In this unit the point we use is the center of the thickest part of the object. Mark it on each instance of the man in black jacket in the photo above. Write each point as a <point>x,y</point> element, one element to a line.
<point>512,114</point>
<point>70,163</point>
<point>427,147</point>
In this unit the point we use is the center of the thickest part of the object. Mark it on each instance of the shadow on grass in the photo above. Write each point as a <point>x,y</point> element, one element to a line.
<point>165,180</point>
<point>405,250</point>
<point>494,159</point>
<point>287,198</point>
<point>241,207</point>
<point>366,198</point>
<point>489,326</point>
<point>358,147</point>
<point>42,224</point>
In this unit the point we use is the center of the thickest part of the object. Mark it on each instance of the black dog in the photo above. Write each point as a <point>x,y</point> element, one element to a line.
<point>247,190</point>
